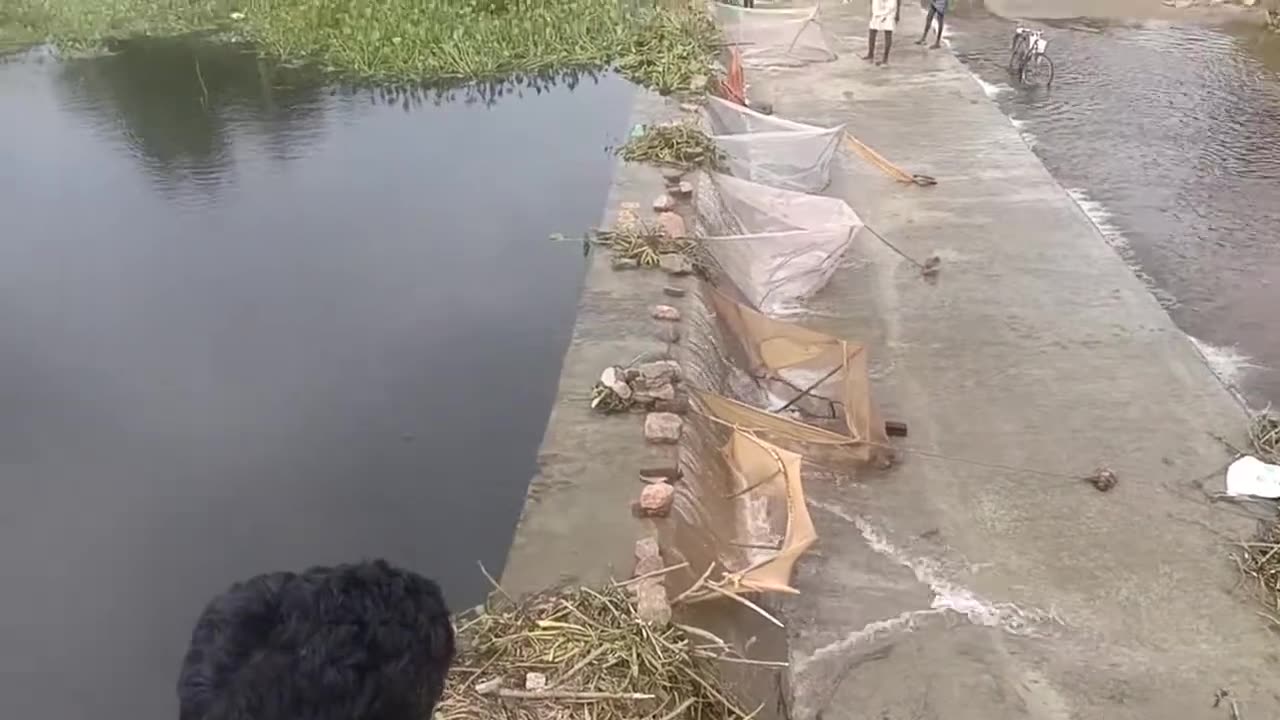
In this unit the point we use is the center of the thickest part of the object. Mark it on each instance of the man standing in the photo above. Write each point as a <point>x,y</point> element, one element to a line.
<point>939,8</point>
<point>884,16</point>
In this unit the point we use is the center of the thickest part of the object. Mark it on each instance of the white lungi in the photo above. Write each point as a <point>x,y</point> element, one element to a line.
<point>883,14</point>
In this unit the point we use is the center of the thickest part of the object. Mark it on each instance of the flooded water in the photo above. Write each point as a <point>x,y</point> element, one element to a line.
<point>248,323</point>
<point>1168,137</point>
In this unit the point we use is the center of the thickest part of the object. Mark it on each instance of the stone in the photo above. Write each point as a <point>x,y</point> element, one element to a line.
<point>535,681</point>
<point>656,500</point>
<point>675,264</point>
<point>664,203</point>
<point>678,405</point>
<point>663,428</point>
<point>671,176</point>
<point>624,263</point>
<point>632,374</point>
<point>647,565</point>
<point>675,292</point>
<point>652,605</point>
<point>647,547</point>
<point>672,225</point>
<point>665,312</point>
<point>684,189</point>
<point>668,333</point>
<point>665,391</point>
<point>670,473</point>
<point>613,378</point>
<point>488,687</point>
<point>658,372</point>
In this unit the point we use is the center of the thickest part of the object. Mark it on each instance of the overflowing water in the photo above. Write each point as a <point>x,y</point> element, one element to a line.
<point>250,322</point>
<point>1167,136</point>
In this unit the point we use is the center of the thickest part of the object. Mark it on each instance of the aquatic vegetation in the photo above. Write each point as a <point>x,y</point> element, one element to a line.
<point>76,25</point>
<point>668,47</point>
<point>683,145</point>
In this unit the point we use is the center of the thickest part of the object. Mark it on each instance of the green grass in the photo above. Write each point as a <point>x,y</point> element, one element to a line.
<point>668,48</point>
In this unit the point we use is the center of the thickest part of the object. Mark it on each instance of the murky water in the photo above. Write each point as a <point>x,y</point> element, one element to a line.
<point>250,323</point>
<point>1168,137</point>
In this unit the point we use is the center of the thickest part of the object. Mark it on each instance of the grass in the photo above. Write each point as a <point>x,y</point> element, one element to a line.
<point>668,47</point>
<point>681,145</point>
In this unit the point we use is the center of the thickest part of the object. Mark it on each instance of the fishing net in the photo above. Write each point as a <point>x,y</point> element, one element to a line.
<point>816,385</point>
<point>775,36</point>
<point>740,518</point>
<point>777,247</point>
<point>770,150</point>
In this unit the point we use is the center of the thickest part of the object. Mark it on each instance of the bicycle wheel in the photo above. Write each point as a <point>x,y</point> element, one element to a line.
<point>1037,70</point>
<point>1015,58</point>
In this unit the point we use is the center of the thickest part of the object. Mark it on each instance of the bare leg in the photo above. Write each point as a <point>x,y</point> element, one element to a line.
<point>871,46</point>
<point>888,43</point>
<point>937,41</point>
<point>927,22</point>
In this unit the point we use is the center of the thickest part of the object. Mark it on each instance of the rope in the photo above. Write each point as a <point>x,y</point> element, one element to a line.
<point>885,166</point>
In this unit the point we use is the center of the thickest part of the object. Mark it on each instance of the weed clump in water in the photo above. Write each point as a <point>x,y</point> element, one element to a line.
<point>668,48</point>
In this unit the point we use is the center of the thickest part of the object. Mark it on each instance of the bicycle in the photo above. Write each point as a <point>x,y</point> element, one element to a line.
<point>1028,60</point>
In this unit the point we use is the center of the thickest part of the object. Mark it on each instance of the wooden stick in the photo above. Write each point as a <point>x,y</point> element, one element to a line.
<point>655,573</point>
<point>581,664</point>
<point>739,599</point>
<point>696,586</point>
<point>568,695</point>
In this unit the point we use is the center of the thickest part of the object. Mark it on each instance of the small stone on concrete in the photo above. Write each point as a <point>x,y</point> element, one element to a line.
<point>678,405</point>
<point>535,681</point>
<point>612,378</point>
<point>665,312</point>
<point>663,428</point>
<point>647,547</point>
<point>675,292</point>
<point>658,392</point>
<point>684,189</point>
<point>656,499</point>
<point>668,333</point>
<point>652,606</point>
<point>672,225</point>
<point>671,176</point>
<point>664,203</point>
<point>647,565</point>
<point>658,372</point>
<point>660,474</point>
<point>675,264</point>
<point>624,263</point>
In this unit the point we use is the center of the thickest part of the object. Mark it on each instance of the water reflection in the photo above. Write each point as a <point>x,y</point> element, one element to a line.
<point>1168,136</point>
<point>249,322</point>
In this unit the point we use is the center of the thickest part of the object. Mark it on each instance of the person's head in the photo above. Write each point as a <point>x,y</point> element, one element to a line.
<point>365,641</point>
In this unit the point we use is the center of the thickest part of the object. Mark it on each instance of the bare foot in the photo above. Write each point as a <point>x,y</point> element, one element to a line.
<point>920,41</point>
<point>882,62</point>
<point>867,57</point>
<point>935,46</point>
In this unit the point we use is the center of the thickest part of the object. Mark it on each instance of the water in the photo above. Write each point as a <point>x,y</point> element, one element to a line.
<point>1167,136</point>
<point>252,323</point>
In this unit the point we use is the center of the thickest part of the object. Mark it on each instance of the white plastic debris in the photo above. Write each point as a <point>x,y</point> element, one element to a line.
<point>1251,476</point>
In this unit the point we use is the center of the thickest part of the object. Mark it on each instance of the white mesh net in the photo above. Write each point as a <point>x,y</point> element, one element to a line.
<point>777,247</point>
<point>770,150</point>
<point>775,36</point>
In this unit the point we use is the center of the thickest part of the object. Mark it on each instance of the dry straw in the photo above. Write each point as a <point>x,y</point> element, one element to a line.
<point>600,661</point>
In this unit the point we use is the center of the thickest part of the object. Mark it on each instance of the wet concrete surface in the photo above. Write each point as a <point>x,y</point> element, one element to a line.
<point>981,577</point>
<point>1166,135</point>
<point>249,323</point>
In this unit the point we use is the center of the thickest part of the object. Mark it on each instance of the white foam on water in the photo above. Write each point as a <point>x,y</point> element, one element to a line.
<point>992,90</point>
<point>1102,218</point>
<point>1228,363</point>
